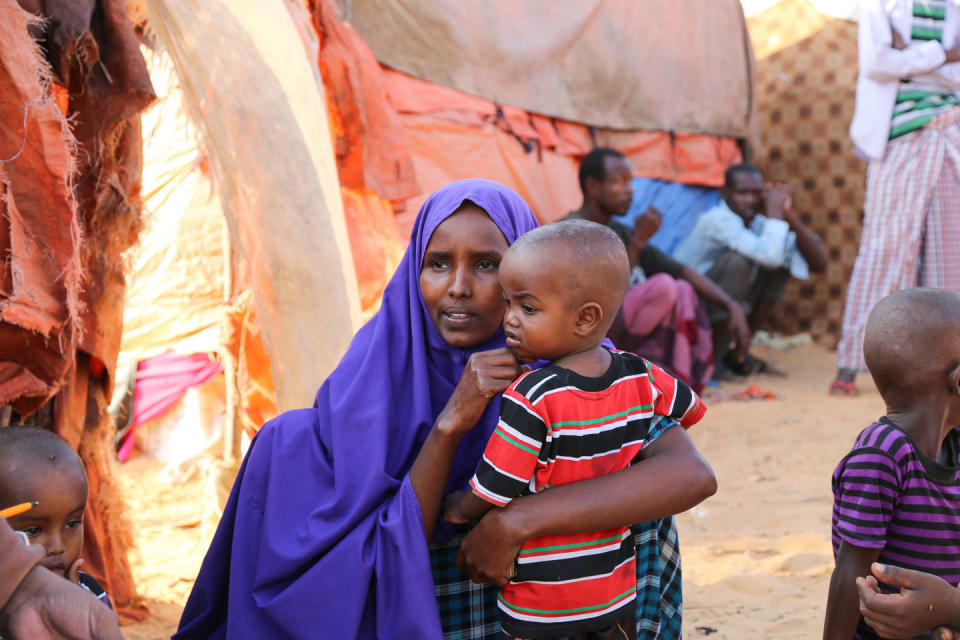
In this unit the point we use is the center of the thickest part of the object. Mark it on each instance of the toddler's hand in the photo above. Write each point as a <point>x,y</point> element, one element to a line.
<point>451,508</point>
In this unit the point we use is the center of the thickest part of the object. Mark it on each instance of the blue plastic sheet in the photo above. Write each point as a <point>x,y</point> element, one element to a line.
<point>680,204</point>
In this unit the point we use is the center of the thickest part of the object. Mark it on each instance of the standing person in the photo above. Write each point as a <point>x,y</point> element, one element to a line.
<point>329,519</point>
<point>895,494</point>
<point>589,412</point>
<point>750,244</point>
<point>662,318</point>
<point>907,124</point>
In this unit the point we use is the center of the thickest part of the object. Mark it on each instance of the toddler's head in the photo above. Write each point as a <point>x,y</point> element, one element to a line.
<point>912,349</point>
<point>38,465</point>
<point>563,283</point>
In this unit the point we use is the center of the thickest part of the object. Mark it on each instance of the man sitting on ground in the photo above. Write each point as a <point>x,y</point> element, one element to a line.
<point>661,318</point>
<point>750,244</point>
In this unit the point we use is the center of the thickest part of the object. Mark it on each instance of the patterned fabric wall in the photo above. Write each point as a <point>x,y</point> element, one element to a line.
<point>805,87</point>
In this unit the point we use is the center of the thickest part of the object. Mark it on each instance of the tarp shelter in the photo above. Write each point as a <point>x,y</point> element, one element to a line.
<point>806,84</point>
<point>519,92</point>
<point>70,209</point>
<point>398,137</point>
<point>266,133</point>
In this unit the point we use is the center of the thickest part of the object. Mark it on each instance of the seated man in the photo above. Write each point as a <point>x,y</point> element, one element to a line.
<point>750,244</point>
<point>661,318</point>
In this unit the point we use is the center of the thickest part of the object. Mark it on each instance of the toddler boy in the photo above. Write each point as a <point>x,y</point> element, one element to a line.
<point>588,413</point>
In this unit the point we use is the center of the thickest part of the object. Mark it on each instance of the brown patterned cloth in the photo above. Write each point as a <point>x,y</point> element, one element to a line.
<point>805,88</point>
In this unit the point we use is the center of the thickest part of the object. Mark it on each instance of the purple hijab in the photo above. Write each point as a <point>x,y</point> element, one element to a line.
<point>322,535</point>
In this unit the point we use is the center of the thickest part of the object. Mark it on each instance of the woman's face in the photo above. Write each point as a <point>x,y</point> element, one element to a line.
<point>459,277</point>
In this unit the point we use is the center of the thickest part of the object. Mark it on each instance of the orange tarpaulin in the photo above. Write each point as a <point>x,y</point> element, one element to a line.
<point>39,232</point>
<point>63,187</point>
<point>379,114</point>
<point>453,135</point>
<point>682,66</point>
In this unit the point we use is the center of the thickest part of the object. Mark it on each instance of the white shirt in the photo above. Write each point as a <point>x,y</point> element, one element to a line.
<point>882,67</point>
<point>767,241</point>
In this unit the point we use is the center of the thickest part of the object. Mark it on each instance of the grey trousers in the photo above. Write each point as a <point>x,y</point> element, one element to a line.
<point>746,282</point>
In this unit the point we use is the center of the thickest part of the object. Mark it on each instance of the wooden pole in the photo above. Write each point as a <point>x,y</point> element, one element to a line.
<point>231,426</point>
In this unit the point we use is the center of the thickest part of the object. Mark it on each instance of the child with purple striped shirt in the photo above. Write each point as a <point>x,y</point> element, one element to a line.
<point>897,493</point>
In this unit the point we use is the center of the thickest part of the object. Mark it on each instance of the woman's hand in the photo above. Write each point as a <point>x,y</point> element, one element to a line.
<point>487,373</point>
<point>489,550</point>
<point>924,602</point>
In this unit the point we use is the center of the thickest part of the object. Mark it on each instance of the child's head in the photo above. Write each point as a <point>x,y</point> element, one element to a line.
<point>912,349</point>
<point>36,464</point>
<point>564,283</point>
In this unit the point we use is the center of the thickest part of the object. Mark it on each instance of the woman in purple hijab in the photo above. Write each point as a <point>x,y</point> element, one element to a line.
<point>325,531</point>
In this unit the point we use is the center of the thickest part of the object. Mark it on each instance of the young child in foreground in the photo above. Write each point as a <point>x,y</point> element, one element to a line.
<point>588,413</point>
<point>38,465</point>
<point>897,494</point>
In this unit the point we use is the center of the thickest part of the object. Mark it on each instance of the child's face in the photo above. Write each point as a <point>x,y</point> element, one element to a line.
<point>539,321</point>
<point>56,523</point>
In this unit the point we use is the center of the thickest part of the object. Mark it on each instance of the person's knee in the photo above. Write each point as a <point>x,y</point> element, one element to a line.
<point>735,274</point>
<point>734,266</point>
<point>648,303</point>
<point>664,287</point>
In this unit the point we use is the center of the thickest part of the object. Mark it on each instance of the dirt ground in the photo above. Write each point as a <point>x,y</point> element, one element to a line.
<point>756,556</point>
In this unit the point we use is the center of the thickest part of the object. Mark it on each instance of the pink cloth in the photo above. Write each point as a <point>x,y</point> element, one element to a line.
<point>160,382</point>
<point>662,320</point>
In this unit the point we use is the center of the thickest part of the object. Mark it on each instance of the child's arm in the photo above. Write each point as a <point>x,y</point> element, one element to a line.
<point>843,600</point>
<point>672,478</point>
<point>463,506</point>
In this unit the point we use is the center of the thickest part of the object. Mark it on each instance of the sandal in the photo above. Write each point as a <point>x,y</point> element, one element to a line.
<point>841,388</point>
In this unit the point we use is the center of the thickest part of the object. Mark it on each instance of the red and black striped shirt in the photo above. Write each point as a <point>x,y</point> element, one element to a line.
<point>558,427</point>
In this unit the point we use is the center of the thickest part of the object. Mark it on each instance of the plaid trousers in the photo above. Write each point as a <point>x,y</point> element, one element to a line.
<point>911,226</point>
<point>469,611</point>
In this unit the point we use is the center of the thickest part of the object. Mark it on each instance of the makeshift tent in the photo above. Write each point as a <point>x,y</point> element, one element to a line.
<point>266,134</point>
<point>269,147</point>
<point>806,84</point>
<point>71,209</point>
<point>177,299</point>
<point>397,138</point>
<point>498,119</point>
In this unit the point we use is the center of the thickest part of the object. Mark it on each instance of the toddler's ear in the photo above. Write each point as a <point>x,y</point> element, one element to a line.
<point>589,315</point>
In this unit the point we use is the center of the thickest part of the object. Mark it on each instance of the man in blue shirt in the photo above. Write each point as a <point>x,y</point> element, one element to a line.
<point>750,244</point>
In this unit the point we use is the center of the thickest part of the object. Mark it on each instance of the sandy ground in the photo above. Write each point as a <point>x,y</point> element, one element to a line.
<point>756,557</point>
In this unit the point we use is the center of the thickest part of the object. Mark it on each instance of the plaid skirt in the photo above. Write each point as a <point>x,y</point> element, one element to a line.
<point>469,611</point>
